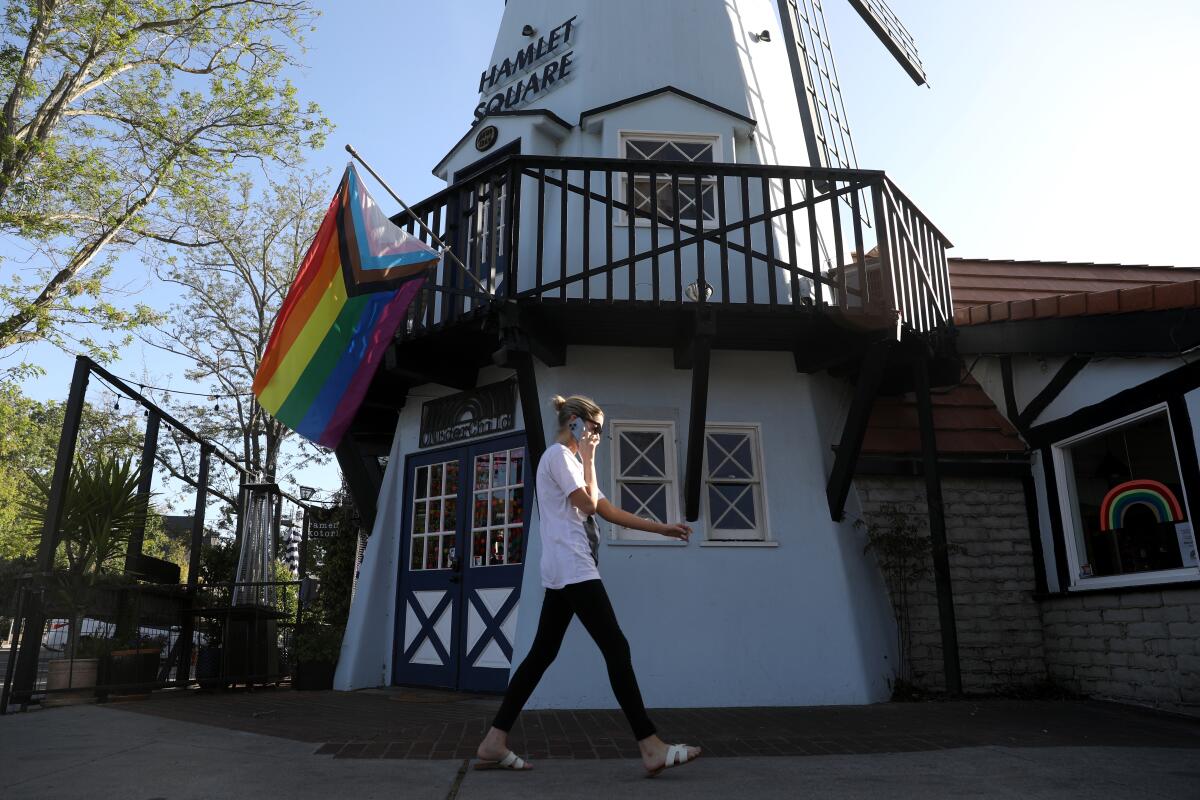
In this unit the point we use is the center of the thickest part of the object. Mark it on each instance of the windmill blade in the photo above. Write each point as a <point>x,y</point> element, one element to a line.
<point>895,37</point>
<point>822,109</point>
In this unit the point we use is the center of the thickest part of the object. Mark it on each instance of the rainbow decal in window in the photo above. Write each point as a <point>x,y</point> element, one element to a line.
<point>1156,496</point>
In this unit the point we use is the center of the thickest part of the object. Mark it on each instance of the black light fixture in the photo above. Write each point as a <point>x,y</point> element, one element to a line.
<point>529,30</point>
<point>765,36</point>
<point>307,492</point>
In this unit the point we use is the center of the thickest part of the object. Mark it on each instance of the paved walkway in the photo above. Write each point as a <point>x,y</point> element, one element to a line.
<point>417,744</point>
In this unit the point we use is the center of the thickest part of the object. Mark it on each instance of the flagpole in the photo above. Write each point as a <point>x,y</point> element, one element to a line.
<point>445,249</point>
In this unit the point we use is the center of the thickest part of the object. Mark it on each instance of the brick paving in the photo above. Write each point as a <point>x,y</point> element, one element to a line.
<point>428,724</point>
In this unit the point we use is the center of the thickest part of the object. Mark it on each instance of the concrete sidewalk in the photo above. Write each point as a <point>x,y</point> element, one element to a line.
<point>103,752</point>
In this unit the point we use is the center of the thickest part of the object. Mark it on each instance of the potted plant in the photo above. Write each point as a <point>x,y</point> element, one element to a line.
<point>101,510</point>
<point>317,649</point>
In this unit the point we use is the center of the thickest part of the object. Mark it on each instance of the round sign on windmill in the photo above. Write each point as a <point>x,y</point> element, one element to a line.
<point>486,138</point>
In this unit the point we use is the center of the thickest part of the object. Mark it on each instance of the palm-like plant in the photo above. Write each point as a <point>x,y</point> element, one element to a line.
<point>101,511</point>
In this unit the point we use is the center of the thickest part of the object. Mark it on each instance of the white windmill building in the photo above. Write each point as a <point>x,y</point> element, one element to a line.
<point>664,200</point>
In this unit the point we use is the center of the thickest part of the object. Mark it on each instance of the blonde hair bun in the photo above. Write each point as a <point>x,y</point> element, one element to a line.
<point>558,401</point>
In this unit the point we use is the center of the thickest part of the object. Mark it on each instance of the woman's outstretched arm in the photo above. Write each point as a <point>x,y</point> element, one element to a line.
<point>626,520</point>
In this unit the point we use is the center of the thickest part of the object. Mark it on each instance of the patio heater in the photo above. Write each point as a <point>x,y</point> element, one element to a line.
<point>252,635</point>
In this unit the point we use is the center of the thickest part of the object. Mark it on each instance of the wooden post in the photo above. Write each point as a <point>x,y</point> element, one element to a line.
<point>937,525</point>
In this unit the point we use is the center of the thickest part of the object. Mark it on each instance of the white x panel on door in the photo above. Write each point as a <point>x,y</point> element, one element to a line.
<point>493,654</point>
<point>440,627</point>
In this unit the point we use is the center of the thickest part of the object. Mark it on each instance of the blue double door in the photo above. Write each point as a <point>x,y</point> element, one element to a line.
<point>462,554</point>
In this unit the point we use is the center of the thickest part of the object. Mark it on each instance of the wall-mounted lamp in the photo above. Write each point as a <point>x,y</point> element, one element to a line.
<point>765,36</point>
<point>529,30</point>
<point>692,291</point>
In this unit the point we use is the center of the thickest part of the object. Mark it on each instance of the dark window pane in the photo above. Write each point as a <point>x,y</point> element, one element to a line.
<point>730,456</point>
<point>645,499</point>
<point>731,506</point>
<point>515,545</point>
<point>696,151</point>
<point>418,552</point>
<point>643,455</point>
<point>421,482</point>
<point>481,472</point>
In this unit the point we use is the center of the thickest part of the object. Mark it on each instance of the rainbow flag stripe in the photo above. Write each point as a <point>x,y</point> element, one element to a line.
<point>352,291</point>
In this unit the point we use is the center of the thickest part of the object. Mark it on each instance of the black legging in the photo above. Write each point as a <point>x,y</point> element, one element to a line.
<point>589,600</point>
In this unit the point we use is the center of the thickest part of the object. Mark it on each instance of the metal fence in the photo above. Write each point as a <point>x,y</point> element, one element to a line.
<point>134,638</point>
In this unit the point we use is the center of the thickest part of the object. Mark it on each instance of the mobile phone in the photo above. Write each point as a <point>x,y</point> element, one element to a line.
<point>577,429</point>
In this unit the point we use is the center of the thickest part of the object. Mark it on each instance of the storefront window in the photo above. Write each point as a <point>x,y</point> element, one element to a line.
<point>1125,513</point>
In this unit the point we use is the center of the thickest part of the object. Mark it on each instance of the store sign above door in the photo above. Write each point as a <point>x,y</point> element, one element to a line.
<point>469,415</point>
<point>535,71</point>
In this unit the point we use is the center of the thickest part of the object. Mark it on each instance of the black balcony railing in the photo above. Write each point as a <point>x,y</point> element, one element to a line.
<point>621,231</point>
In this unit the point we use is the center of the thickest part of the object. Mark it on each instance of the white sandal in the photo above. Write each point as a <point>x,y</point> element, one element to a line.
<point>677,755</point>
<point>510,761</point>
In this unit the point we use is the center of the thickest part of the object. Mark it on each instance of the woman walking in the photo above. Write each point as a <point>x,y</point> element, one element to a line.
<point>567,497</point>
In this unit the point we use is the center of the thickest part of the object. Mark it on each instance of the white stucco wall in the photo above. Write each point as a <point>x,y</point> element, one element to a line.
<point>806,622</point>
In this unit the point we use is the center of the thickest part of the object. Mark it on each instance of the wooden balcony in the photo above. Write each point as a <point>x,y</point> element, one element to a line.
<point>784,257</point>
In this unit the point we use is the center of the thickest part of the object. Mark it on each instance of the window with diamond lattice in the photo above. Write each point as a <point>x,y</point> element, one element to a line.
<point>733,484</point>
<point>644,474</point>
<point>673,147</point>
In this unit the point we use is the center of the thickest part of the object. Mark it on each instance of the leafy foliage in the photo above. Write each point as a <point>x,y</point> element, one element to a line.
<point>116,114</point>
<point>101,511</point>
<point>233,287</point>
<point>324,623</point>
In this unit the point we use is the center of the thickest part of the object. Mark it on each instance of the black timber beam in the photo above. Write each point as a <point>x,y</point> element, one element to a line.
<point>531,406</point>
<point>417,369</point>
<point>517,351</point>
<point>364,478</point>
<point>937,528</point>
<point>1053,389</point>
<point>1135,333</point>
<point>524,327</point>
<point>701,352</point>
<point>691,328</point>
<point>855,429</point>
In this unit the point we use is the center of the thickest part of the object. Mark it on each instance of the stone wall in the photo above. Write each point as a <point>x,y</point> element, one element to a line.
<point>1138,646</point>
<point>999,623</point>
<point>1135,646</point>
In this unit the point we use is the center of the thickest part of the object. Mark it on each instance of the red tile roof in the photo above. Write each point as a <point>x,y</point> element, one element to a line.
<point>965,422</point>
<point>980,281</point>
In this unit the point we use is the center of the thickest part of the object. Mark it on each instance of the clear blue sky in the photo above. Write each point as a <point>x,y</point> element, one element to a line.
<point>1054,129</point>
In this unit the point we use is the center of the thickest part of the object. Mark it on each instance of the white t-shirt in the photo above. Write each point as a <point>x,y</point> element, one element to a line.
<point>566,553</point>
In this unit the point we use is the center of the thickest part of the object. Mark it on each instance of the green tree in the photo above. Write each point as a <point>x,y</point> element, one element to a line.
<point>29,432</point>
<point>232,289</point>
<point>117,113</point>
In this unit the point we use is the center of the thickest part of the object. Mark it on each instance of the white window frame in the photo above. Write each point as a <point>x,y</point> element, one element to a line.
<point>761,535</point>
<point>623,137</point>
<point>1064,476</point>
<point>671,480</point>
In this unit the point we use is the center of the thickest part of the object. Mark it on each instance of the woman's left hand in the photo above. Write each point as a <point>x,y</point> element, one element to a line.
<point>677,531</point>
